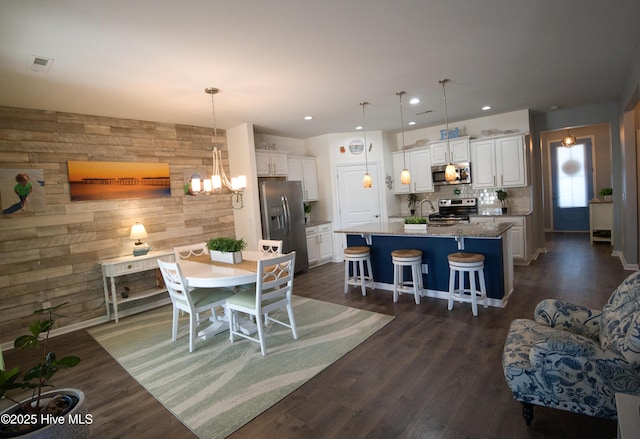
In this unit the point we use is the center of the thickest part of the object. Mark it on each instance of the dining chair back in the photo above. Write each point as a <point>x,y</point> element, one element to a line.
<point>186,251</point>
<point>190,300</point>
<point>272,291</point>
<point>270,246</point>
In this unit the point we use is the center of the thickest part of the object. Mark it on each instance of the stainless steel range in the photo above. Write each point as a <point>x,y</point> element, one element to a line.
<point>454,210</point>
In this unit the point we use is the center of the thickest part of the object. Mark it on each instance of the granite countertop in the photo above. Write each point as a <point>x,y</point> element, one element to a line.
<point>316,223</point>
<point>397,229</point>
<point>498,212</point>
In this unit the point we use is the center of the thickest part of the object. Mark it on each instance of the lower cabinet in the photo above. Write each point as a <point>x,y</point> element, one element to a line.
<point>319,245</point>
<point>518,233</point>
<point>601,221</point>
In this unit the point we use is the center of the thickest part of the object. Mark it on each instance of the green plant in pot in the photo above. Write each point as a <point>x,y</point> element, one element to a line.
<point>502,196</point>
<point>606,193</point>
<point>42,411</point>
<point>307,212</point>
<point>415,220</point>
<point>228,250</point>
<point>412,199</point>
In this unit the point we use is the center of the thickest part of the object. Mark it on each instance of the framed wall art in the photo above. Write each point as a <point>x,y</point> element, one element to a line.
<point>118,180</point>
<point>22,190</point>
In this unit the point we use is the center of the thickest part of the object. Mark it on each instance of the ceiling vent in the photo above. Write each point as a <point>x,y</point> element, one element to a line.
<point>40,63</point>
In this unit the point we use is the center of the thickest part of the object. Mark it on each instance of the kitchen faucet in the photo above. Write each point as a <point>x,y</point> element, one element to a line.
<point>433,209</point>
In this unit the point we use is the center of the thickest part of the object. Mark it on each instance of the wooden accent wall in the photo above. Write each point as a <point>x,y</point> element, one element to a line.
<point>52,255</point>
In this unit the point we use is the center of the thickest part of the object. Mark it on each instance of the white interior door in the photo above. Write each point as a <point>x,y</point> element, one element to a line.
<point>356,204</point>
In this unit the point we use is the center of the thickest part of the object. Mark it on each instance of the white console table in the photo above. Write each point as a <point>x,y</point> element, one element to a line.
<point>113,268</point>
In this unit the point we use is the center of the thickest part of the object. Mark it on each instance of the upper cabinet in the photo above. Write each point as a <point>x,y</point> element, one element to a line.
<point>456,152</point>
<point>271,163</point>
<point>498,162</point>
<point>419,165</point>
<point>304,169</point>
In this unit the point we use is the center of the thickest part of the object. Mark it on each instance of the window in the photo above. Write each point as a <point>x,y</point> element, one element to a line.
<point>572,176</point>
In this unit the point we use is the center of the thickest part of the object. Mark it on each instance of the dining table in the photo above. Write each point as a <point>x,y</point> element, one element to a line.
<point>202,272</point>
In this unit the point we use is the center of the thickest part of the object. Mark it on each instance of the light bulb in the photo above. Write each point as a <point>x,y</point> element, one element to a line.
<point>366,181</point>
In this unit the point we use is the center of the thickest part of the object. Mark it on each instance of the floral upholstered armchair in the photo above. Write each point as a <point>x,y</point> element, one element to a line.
<point>575,358</point>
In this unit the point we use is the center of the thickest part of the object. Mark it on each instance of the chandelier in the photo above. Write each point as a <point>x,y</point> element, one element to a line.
<point>219,178</point>
<point>569,140</point>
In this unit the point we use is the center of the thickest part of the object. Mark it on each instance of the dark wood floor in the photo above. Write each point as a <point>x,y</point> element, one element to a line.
<point>430,373</point>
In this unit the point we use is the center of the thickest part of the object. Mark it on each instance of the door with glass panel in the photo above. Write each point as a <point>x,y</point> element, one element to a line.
<point>571,185</point>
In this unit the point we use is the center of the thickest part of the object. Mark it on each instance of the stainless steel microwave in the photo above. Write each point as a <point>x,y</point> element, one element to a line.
<point>462,170</point>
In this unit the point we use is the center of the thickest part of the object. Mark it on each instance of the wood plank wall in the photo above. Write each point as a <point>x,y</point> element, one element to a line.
<point>52,255</point>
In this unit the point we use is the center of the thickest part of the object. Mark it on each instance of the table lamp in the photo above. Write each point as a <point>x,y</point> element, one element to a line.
<point>138,233</point>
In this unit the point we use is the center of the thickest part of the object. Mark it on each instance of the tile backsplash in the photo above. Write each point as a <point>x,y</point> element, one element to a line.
<point>519,198</point>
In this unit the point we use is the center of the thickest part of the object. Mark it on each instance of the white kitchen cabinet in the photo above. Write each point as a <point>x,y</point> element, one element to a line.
<point>518,232</point>
<point>271,163</point>
<point>319,244</point>
<point>304,169</point>
<point>456,152</point>
<point>313,249</point>
<point>325,243</point>
<point>498,162</point>
<point>601,221</point>
<point>419,166</point>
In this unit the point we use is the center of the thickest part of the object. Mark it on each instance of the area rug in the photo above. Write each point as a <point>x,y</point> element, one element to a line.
<point>221,386</point>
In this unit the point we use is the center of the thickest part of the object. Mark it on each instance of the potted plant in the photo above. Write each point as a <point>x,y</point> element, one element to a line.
<point>226,250</point>
<point>502,196</point>
<point>412,199</point>
<point>307,212</point>
<point>57,413</point>
<point>415,224</point>
<point>606,193</point>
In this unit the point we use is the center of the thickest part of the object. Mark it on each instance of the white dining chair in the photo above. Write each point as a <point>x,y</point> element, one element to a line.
<point>272,291</point>
<point>190,300</point>
<point>270,246</point>
<point>186,251</point>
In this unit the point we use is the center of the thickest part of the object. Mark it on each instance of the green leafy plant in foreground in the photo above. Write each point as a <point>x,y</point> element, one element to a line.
<point>39,375</point>
<point>416,220</point>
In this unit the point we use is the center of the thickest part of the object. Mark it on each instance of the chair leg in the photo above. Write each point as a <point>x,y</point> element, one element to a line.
<point>474,296</point>
<point>263,347</point>
<point>174,330</point>
<point>527,412</point>
<point>370,273</point>
<point>452,284</point>
<point>346,276</point>
<point>192,329</point>
<point>362,279</point>
<point>232,324</point>
<point>483,289</point>
<point>395,282</point>
<point>416,283</point>
<point>292,321</point>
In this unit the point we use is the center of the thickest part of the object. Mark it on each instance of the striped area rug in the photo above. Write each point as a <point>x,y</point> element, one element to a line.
<point>221,386</point>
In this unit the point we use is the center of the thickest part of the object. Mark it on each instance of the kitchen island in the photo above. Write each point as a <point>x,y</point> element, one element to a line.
<point>492,240</point>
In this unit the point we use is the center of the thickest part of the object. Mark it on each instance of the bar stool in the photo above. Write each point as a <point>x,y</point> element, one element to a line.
<point>357,256</point>
<point>407,258</point>
<point>471,263</point>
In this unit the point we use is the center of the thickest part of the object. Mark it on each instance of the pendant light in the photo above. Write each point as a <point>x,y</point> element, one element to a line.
<point>569,140</point>
<point>450,173</point>
<point>405,177</point>
<point>219,178</point>
<point>366,181</point>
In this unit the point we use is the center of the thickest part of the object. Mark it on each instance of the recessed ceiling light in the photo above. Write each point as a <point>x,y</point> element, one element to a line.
<point>414,101</point>
<point>308,117</point>
<point>412,123</point>
<point>486,107</point>
<point>359,127</point>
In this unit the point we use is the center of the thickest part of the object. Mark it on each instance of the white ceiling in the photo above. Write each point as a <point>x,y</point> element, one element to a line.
<point>276,61</point>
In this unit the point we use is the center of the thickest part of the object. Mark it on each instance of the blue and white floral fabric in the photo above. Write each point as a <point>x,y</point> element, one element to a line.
<point>575,358</point>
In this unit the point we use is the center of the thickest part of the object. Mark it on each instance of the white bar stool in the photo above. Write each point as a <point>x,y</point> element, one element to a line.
<point>357,256</point>
<point>471,263</point>
<point>407,258</point>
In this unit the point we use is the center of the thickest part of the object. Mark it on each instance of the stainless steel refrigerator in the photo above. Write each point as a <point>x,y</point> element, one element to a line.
<point>283,218</point>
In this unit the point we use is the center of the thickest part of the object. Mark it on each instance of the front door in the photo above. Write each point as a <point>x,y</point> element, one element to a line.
<point>571,185</point>
<point>356,204</point>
